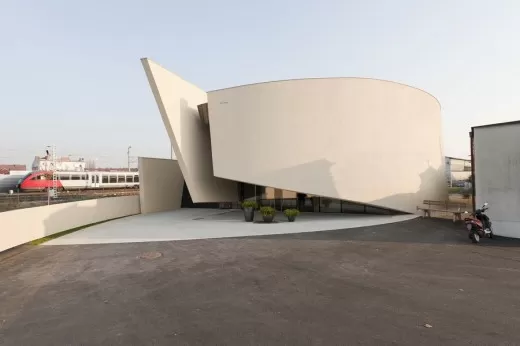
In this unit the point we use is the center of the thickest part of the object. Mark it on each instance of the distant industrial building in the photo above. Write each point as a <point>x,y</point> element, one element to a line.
<point>66,164</point>
<point>62,164</point>
<point>496,174</point>
<point>7,169</point>
<point>10,175</point>
<point>458,171</point>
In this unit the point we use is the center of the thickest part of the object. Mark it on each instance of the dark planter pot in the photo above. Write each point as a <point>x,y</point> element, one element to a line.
<point>249,214</point>
<point>291,218</point>
<point>268,218</point>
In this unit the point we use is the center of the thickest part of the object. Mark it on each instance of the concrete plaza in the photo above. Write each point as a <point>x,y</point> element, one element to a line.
<point>189,224</point>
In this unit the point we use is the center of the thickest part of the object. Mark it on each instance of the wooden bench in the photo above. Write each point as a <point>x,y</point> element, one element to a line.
<point>445,207</point>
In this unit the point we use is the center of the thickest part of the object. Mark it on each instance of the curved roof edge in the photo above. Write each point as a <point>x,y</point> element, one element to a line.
<point>315,78</point>
<point>302,79</point>
<point>514,122</point>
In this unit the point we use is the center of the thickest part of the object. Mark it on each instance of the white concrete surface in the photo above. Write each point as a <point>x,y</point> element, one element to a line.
<point>161,185</point>
<point>186,224</point>
<point>349,126</point>
<point>332,137</point>
<point>177,101</point>
<point>23,225</point>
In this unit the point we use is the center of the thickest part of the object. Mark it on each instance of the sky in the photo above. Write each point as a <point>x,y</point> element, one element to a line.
<point>70,71</point>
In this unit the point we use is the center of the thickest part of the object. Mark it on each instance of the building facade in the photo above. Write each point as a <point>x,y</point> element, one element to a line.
<point>346,141</point>
<point>496,174</point>
<point>62,164</point>
<point>458,171</point>
<point>9,169</point>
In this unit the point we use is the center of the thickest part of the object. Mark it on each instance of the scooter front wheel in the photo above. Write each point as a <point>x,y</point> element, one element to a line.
<point>475,238</point>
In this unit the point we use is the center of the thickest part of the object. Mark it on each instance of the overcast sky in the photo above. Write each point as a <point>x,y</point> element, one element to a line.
<point>70,73</point>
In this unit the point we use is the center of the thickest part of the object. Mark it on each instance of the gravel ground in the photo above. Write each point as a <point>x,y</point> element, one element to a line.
<point>419,282</point>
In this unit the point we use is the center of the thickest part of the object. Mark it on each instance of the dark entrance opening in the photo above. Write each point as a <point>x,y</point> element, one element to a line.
<point>246,191</point>
<point>187,202</point>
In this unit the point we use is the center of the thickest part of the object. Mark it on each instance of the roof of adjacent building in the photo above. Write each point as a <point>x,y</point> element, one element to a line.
<point>457,158</point>
<point>497,124</point>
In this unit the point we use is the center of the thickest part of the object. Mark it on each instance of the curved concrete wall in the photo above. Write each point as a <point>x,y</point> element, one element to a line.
<point>23,225</point>
<point>363,140</point>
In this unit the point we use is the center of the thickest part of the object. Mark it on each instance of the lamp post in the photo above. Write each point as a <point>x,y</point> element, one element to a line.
<point>128,154</point>
<point>54,189</point>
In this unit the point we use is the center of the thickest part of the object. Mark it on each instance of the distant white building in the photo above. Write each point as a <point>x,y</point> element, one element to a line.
<point>457,171</point>
<point>62,164</point>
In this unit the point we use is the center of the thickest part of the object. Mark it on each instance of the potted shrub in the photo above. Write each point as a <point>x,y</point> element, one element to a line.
<point>249,210</point>
<point>291,214</point>
<point>267,213</point>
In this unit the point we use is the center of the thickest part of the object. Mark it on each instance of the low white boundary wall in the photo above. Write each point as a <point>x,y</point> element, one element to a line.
<point>160,185</point>
<point>21,226</point>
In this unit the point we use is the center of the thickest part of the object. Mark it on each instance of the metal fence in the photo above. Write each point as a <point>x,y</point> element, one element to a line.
<point>28,200</point>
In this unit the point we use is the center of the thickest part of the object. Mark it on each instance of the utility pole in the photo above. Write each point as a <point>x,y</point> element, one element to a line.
<point>128,154</point>
<point>54,190</point>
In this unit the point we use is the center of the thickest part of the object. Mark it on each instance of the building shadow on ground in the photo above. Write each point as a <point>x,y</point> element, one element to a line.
<point>415,231</point>
<point>432,187</point>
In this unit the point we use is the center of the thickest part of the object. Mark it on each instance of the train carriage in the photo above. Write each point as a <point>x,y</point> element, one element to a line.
<point>42,180</point>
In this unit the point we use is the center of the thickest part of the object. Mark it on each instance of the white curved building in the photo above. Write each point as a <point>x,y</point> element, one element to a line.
<point>367,141</point>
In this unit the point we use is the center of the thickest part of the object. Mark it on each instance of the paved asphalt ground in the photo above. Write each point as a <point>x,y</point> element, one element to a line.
<point>368,286</point>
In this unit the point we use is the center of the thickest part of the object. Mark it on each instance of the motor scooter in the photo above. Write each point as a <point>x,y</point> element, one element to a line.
<point>478,224</point>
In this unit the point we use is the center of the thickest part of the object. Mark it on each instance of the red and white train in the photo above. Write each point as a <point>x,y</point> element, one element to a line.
<point>42,180</point>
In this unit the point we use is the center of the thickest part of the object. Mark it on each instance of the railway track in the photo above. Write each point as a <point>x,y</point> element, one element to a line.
<point>72,192</point>
<point>64,196</point>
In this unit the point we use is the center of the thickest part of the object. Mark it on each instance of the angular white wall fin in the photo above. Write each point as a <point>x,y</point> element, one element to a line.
<point>178,103</point>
